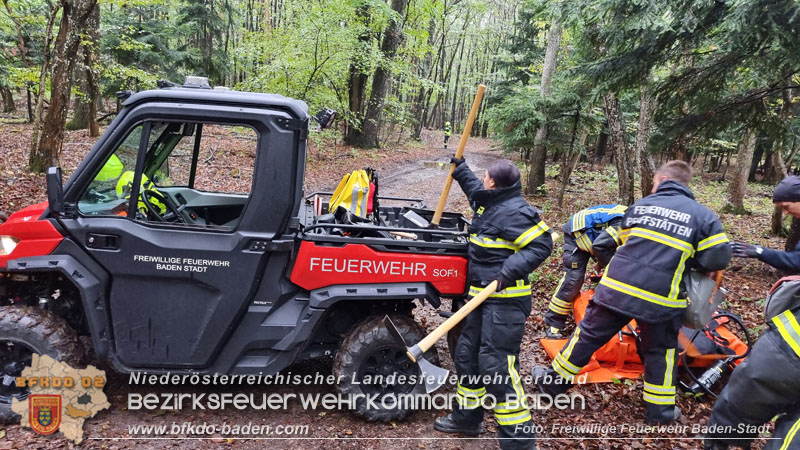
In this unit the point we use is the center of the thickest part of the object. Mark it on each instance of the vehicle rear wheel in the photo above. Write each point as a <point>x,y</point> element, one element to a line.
<point>366,360</point>
<point>25,330</point>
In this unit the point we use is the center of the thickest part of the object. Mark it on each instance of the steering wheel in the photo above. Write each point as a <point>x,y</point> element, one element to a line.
<point>148,193</point>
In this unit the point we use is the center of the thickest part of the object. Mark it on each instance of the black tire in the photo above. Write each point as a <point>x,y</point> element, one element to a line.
<point>357,355</point>
<point>3,217</point>
<point>25,330</point>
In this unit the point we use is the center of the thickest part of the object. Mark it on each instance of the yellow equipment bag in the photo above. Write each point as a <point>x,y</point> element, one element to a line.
<point>353,193</point>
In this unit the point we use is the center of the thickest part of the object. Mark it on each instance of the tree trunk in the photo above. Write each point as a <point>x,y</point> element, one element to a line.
<point>600,147</point>
<point>644,161</point>
<point>357,81</point>
<point>570,159</point>
<point>8,100</point>
<point>622,155</point>
<point>392,39</point>
<point>777,212</point>
<point>738,179</point>
<point>778,165</point>
<point>758,154</point>
<point>539,155</point>
<point>46,149</point>
<point>85,116</point>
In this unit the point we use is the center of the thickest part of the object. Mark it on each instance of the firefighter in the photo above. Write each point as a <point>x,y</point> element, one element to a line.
<point>580,232</point>
<point>508,240</point>
<point>447,131</point>
<point>767,382</point>
<point>787,197</point>
<point>663,235</point>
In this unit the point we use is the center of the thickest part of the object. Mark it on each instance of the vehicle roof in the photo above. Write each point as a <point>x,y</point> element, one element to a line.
<point>297,107</point>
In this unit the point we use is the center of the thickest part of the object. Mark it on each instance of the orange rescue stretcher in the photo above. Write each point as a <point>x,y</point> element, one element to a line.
<point>618,358</point>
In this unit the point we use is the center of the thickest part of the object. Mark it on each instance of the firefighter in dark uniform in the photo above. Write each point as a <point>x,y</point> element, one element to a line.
<point>580,232</point>
<point>785,193</point>
<point>664,235</point>
<point>767,382</point>
<point>508,240</point>
<point>447,131</point>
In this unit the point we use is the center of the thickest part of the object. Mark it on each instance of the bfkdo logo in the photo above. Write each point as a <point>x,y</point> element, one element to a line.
<point>45,412</point>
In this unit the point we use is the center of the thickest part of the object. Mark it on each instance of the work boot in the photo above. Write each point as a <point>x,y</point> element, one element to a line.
<point>545,380</point>
<point>447,424</point>
<point>676,414</point>
<point>554,333</point>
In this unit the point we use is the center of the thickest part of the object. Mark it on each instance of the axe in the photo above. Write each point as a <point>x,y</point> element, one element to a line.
<point>434,376</point>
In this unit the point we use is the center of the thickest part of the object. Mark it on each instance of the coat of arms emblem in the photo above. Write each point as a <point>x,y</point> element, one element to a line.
<point>44,412</point>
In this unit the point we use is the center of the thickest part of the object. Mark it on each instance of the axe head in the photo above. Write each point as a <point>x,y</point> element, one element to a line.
<point>433,376</point>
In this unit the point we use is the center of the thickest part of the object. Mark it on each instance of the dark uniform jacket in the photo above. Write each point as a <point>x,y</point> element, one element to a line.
<point>664,235</point>
<point>506,235</point>
<point>785,261</point>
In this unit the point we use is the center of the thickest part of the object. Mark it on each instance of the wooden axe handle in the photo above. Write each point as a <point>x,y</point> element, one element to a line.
<point>459,315</point>
<point>437,216</point>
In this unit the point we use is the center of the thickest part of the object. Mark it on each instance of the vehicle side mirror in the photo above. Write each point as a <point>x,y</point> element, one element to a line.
<point>55,190</point>
<point>325,118</point>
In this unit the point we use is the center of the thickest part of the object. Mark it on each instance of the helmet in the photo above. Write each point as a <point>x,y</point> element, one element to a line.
<point>111,169</point>
<point>447,124</point>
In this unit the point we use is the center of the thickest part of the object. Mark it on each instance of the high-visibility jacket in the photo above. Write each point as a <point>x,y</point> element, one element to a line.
<point>125,185</point>
<point>506,235</point>
<point>664,235</point>
<point>587,224</point>
<point>447,129</point>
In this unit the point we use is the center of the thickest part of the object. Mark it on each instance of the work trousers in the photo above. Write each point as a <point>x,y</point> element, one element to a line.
<point>575,261</point>
<point>657,348</point>
<point>487,362</point>
<point>765,384</point>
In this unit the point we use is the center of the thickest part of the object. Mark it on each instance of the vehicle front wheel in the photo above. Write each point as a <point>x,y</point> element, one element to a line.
<point>25,330</point>
<point>369,363</point>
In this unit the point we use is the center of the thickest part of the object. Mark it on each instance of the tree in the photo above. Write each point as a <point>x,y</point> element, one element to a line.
<point>539,154</point>
<point>622,154</point>
<point>644,161</point>
<point>367,137</point>
<point>85,116</point>
<point>738,183</point>
<point>48,130</point>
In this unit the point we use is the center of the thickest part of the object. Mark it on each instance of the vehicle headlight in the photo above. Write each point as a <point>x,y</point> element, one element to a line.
<point>7,244</point>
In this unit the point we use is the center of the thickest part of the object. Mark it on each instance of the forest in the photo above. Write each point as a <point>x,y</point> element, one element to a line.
<point>635,82</point>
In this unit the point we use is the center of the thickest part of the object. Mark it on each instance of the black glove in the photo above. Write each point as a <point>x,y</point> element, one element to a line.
<point>744,250</point>
<point>503,282</point>
<point>457,161</point>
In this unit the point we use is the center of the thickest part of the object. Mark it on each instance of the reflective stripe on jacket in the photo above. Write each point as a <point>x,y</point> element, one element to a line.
<point>663,235</point>
<point>587,224</point>
<point>506,235</point>
<point>787,325</point>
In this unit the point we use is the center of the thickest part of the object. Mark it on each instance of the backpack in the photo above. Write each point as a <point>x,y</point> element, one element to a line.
<point>784,295</point>
<point>356,193</point>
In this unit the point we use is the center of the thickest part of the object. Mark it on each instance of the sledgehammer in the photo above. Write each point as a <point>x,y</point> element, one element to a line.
<point>436,376</point>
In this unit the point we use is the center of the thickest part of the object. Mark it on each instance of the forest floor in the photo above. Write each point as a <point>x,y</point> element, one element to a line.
<point>416,170</point>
